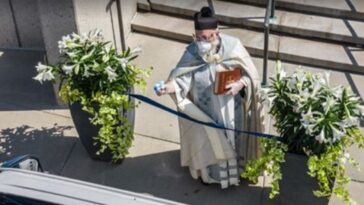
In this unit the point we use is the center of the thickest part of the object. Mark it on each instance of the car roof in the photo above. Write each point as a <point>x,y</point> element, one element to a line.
<point>63,190</point>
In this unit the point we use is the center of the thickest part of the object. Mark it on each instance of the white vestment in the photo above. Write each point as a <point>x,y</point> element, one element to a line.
<point>215,155</point>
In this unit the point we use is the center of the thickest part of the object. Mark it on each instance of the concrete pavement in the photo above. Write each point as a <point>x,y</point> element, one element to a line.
<point>32,123</point>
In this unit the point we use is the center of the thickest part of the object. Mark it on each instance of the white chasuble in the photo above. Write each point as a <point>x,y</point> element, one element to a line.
<point>215,155</point>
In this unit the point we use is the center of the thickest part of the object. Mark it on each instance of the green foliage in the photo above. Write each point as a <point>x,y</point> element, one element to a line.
<point>96,75</point>
<point>312,119</point>
<point>269,162</point>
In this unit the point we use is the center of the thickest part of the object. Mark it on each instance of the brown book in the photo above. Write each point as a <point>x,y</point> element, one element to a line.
<point>223,78</point>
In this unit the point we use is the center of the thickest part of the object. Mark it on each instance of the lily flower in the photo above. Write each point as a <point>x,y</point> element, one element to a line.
<point>75,36</point>
<point>350,121</point>
<point>316,87</point>
<point>308,118</point>
<point>44,76</point>
<point>360,108</point>
<point>68,68</point>
<point>280,72</point>
<point>41,67</point>
<point>123,62</point>
<point>327,77</point>
<point>338,91</point>
<point>309,128</point>
<point>321,137</point>
<point>136,51</point>
<point>337,134</point>
<point>305,94</point>
<point>110,73</point>
<point>328,104</point>
<point>292,83</point>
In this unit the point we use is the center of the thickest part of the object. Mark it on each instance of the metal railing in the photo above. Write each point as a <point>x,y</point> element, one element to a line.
<point>269,14</point>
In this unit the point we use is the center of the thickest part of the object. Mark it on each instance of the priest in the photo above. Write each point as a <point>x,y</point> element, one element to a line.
<point>215,155</point>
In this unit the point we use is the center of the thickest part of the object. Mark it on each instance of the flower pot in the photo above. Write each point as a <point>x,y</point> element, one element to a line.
<point>296,186</point>
<point>87,131</point>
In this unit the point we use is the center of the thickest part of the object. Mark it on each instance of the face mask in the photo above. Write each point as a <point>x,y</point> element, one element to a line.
<point>204,46</point>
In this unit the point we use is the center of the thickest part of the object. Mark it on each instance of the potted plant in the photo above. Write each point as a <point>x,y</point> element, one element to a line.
<point>94,80</point>
<point>313,120</point>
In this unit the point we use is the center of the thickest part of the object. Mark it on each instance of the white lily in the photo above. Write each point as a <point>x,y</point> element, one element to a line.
<point>111,73</point>
<point>300,75</point>
<point>123,62</point>
<point>75,36</point>
<point>62,44</point>
<point>309,128</point>
<point>48,76</point>
<point>305,94</point>
<point>327,77</point>
<point>354,99</point>
<point>66,38</point>
<point>316,86</point>
<point>44,76</point>
<point>282,74</point>
<point>39,77</point>
<point>68,68</point>
<point>41,67</point>
<point>292,83</point>
<point>83,38</point>
<point>71,54</point>
<point>349,91</point>
<point>328,104</point>
<point>321,137</point>
<point>337,134</point>
<point>307,118</point>
<point>350,121</point>
<point>360,108</point>
<point>136,51</point>
<point>95,35</point>
<point>338,91</point>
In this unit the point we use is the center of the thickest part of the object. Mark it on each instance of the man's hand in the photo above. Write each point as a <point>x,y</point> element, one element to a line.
<point>162,88</point>
<point>234,88</point>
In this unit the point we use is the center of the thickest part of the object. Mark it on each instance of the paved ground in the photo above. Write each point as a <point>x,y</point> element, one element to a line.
<point>32,122</point>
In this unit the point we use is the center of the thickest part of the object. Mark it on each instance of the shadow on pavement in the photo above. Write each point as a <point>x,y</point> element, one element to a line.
<point>159,175</point>
<point>48,144</point>
<point>18,91</point>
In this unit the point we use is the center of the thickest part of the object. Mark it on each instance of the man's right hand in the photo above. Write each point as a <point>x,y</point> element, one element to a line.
<point>162,88</point>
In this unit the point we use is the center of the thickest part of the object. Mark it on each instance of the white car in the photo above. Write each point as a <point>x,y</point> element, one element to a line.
<point>19,186</point>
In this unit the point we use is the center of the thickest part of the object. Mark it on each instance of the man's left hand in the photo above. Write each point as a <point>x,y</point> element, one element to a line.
<point>234,88</point>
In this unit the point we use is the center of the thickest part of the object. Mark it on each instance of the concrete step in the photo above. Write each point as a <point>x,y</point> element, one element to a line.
<point>296,50</point>
<point>286,22</point>
<point>347,9</point>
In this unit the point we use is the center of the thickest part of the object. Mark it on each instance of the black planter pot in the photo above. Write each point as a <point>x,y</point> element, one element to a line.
<point>296,186</point>
<point>86,131</point>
